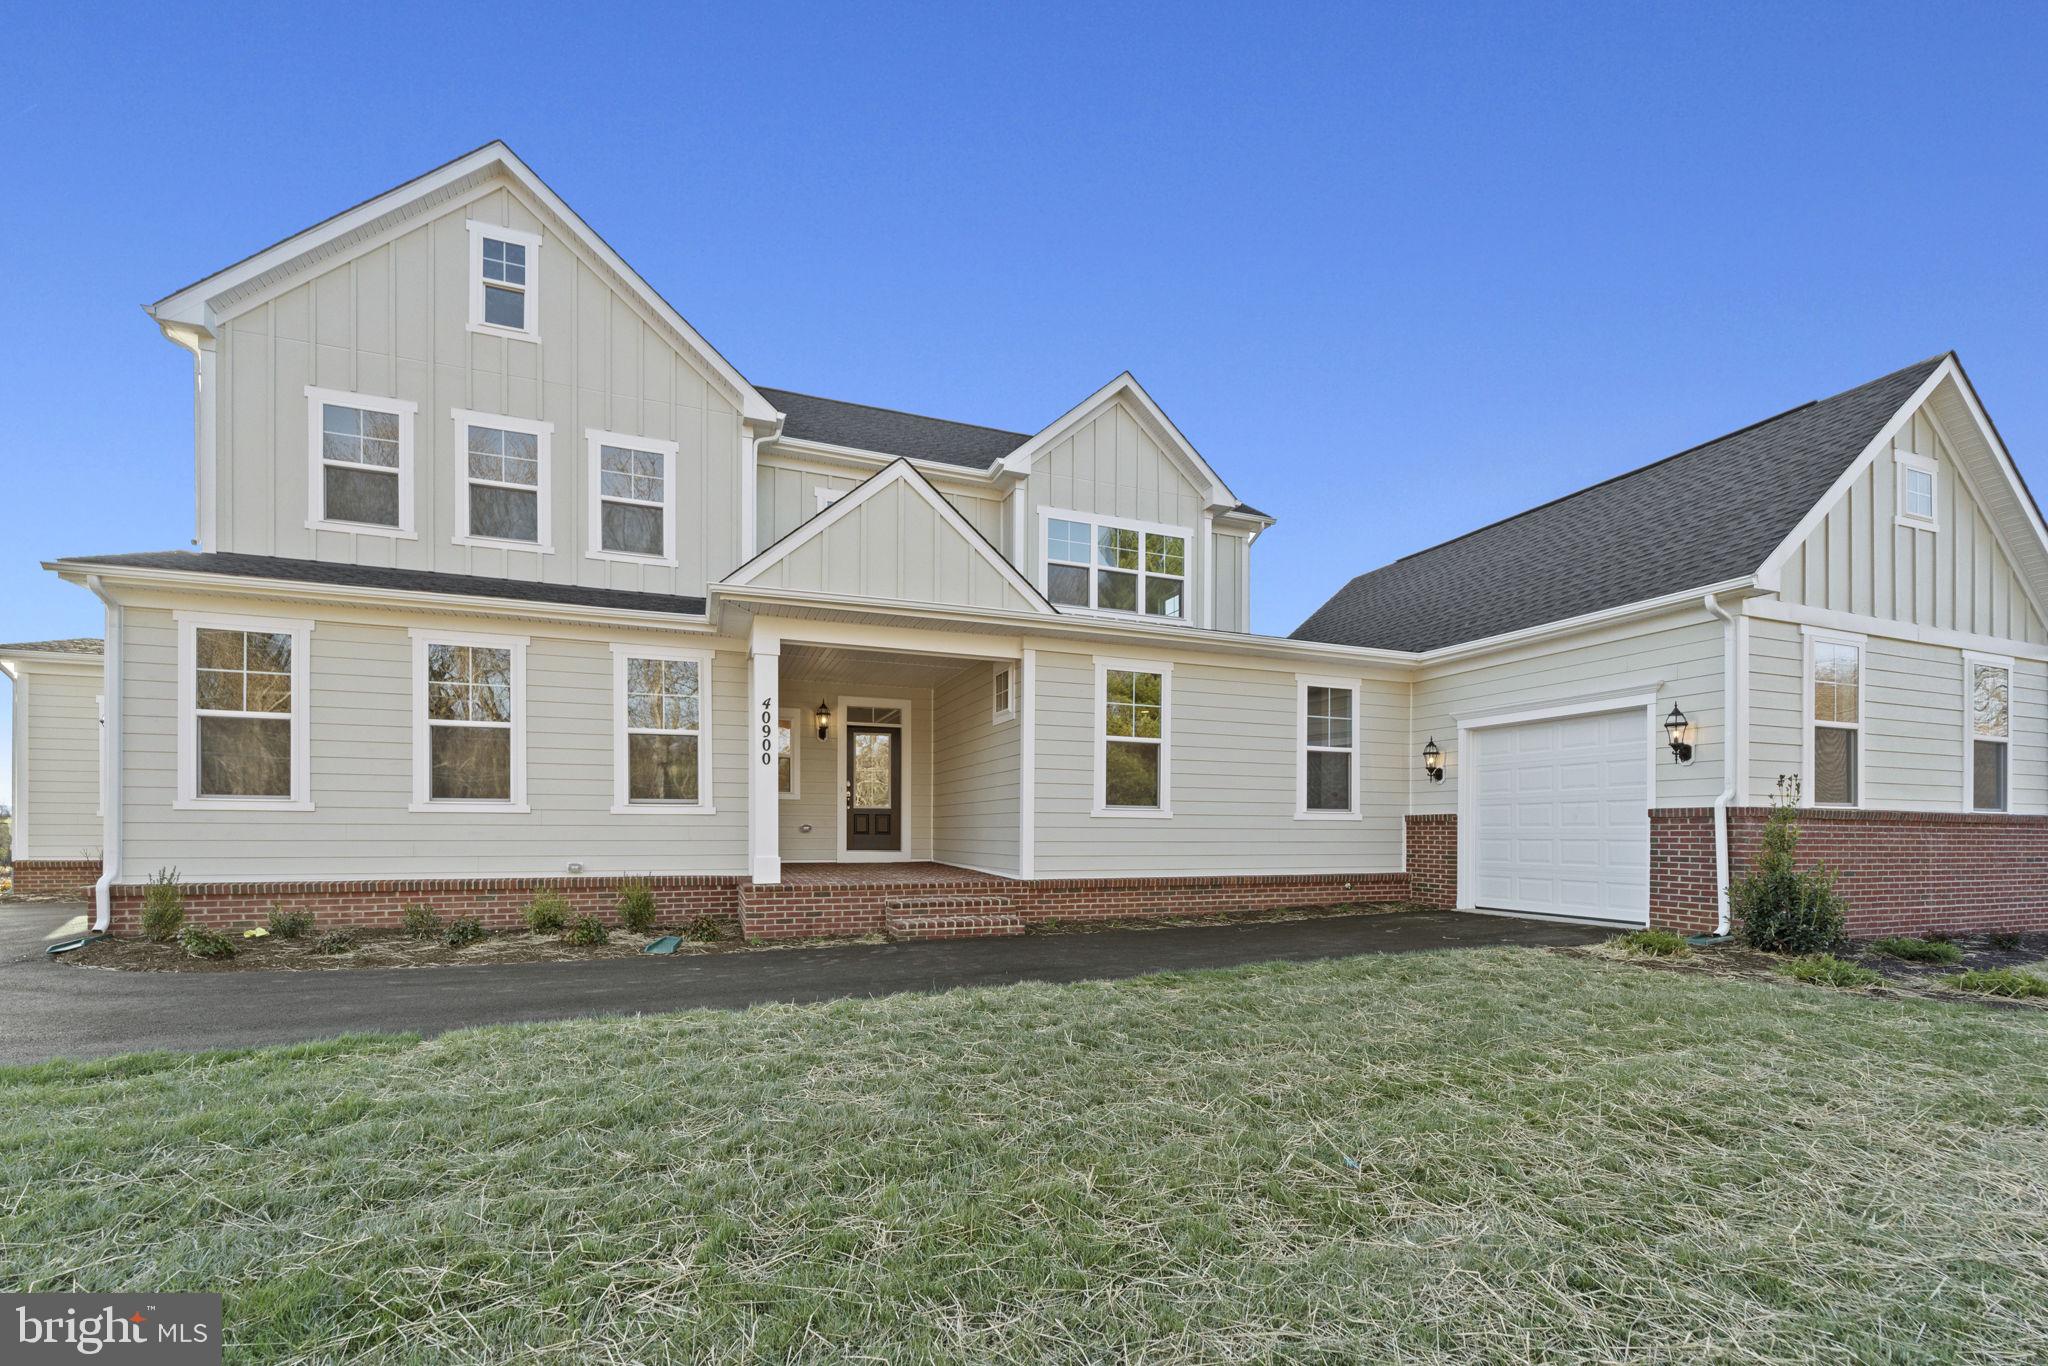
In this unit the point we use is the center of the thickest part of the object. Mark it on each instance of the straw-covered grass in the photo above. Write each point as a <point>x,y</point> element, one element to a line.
<point>1497,1155</point>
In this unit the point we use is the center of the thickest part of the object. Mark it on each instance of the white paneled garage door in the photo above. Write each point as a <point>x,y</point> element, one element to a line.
<point>1563,824</point>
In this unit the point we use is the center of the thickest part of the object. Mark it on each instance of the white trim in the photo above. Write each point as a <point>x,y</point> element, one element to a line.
<point>1207,615</point>
<point>1095,522</point>
<point>998,714</point>
<point>422,740</point>
<point>764,704</point>
<point>595,439</point>
<point>1125,387</point>
<point>1353,811</point>
<point>1971,663</point>
<point>906,741</point>
<point>1027,765</point>
<point>1099,806</point>
<point>405,410</point>
<point>1910,462</point>
<point>530,291</point>
<point>826,498</point>
<point>19,726</point>
<point>623,803</point>
<point>785,716</point>
<point>544,434</point>
<point>1809,635</point>
<point>1581,706</point>
<point>1886,628</point>
<point>2021,498</point>
<point>301,631</point>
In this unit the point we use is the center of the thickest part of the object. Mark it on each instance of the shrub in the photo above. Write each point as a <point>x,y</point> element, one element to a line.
<point>1917,950</point>
<point>586,929</point>
<point>1658,943</point>
<point>1781,908</point>
<point>704,930</point>
<point>200,942</point>
<point>463,929</point>
<point>289,924</point>
<point>337,941</point>
<point>636,905</point>
<point>1999,982</point>
<point>548,911</point>
<point>1826,970</point>
<point>2005,941</point>
<point>419,922</point>
<point>163,906</point>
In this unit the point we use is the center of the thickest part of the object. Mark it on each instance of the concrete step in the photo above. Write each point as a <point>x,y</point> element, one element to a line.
<point>953,917</point>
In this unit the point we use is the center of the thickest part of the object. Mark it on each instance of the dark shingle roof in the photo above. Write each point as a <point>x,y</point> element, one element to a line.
<point>74,645</point>
<point>888,432</point>
<point>398,580</point>
<point>1704,516</point>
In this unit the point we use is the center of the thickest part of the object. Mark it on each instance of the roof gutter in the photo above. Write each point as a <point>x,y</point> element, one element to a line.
<point>110,760</point>
<point>1731,723</point>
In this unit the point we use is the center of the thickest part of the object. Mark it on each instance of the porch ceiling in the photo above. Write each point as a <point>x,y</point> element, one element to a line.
<point>869,668</point>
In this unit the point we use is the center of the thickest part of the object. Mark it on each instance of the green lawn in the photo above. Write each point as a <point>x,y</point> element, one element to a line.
<point>1554,1157</point>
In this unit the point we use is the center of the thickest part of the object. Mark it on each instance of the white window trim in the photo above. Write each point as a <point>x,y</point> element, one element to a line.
<point>595,438</point>
<point>1095,521</point>
<point>622,803</point>
<point>301,632</point>
<point>1302,810</point>
<point>906,850</point>
<point>794,719</point>
<point>422,742</point>
<point>1971,661</point>
<point>544,433</point>
<point>1925,464</point>
<point>316,510</point>
<point>827,497</point>
<point>532,242</point>
<point>999,715</point>
<point>1103,666</point>
<point>1812,634</point>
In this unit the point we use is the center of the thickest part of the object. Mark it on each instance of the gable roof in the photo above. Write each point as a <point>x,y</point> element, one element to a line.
<point>1126,389</point>
<point>1707,515</point>
<point>886,431</point>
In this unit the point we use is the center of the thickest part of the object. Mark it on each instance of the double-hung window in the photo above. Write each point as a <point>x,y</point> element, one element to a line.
<point>1133,766</point>
<point>469,721</point>
<point>632,497</point>
<point>504,281</point>
<point>1326,773</point>
<point>1835,720</point>
<point>501,494</point>
<point>1916,492</point>
<point>1113,567</point>
<point>1987,745</point>
<point>662,758</point>
<point>243,737</point>
<point>360,473</point>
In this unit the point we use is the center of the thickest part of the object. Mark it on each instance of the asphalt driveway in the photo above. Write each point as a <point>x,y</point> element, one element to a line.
<point>50,1009</point>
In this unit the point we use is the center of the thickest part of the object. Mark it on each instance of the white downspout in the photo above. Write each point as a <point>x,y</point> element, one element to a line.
<point>110,756</point>
<point>1730,721</point>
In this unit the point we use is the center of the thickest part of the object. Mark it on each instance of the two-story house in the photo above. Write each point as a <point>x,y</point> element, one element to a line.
<point>504,575</point>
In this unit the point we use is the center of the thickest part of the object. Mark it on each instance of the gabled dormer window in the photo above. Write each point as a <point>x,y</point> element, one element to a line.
<point>359,477</point>
<point>504,281</point>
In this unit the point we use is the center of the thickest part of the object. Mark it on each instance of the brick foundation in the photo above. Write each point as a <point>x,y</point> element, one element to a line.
<point>70,879</point>
<point>1684,883</point>
<point>1433,861</point>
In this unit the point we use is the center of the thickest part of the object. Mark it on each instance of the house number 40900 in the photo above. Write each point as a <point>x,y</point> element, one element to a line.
<point>768,730</point>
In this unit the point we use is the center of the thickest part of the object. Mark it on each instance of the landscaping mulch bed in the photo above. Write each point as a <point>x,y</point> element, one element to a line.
<point>1901,977</point>
<point>381,949</point>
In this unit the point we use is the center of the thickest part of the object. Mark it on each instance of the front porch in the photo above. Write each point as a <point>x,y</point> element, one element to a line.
<point>911,900</point>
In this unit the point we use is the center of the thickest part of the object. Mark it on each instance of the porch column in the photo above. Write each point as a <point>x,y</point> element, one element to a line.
<point>764,805</point>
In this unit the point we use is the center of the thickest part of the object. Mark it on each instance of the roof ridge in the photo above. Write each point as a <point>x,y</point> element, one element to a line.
<point>1661,460</point>
<point>894,412</point>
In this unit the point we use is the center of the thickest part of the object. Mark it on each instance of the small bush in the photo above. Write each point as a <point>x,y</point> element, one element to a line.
<point>586,929</point>
<point>288,924</point>
<point>1657,943</point>
<point>636,905</point>
<point>1826,970</point>
<point>704,930</point>
<point>462,930</point>
<point>337,941</point>
<point>1999,982</point>
<point>547,912</point>
<point>1917,950</point>
<point>200,942</point>
<point>163,906</point>
<point>419,922</point>
<point>2005,941</point>
<point>1781,908</point>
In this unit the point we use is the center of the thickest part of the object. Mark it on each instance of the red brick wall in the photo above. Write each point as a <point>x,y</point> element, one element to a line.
<point>68,878</point>
<point>1433,861</point>
<point>376,905</point>
<point>1684,886</point>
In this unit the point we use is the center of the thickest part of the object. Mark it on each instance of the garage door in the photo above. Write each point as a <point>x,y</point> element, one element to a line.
<point>1563,817</point>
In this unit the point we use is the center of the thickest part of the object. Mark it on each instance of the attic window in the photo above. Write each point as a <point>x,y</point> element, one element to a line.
<point>504,282</point>
<point>1917,490</point>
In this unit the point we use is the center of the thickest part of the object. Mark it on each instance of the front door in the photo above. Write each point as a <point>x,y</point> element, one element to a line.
<point>874,789</point>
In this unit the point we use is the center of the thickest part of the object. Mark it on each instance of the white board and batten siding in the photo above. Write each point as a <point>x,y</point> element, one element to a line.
<point>786,496</point>
<point>392,322</point>
<point>57,762</point>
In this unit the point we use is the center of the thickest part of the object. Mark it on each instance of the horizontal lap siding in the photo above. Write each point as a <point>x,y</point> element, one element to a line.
<point>820,803</point>
<point>58,791</point>
<point>1233,741</point>
<point>975,776</point>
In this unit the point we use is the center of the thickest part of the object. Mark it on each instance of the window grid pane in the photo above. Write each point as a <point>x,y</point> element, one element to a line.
<point>242,690</point>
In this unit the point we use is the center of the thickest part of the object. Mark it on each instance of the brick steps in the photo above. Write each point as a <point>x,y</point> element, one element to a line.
<point>952,917</point>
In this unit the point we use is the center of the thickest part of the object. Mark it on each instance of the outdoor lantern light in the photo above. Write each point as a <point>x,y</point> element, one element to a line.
<point>1433,761</point>
<point>824,722</point>
<point>1677,727</point>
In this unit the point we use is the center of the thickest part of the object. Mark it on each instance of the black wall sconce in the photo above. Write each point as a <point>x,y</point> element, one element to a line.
<point>1677,728</point>
<point>1433,761</point>
<point>824,722</point>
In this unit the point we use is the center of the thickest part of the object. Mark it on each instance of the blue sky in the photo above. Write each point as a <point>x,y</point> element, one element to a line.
<point>1397,272</point>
